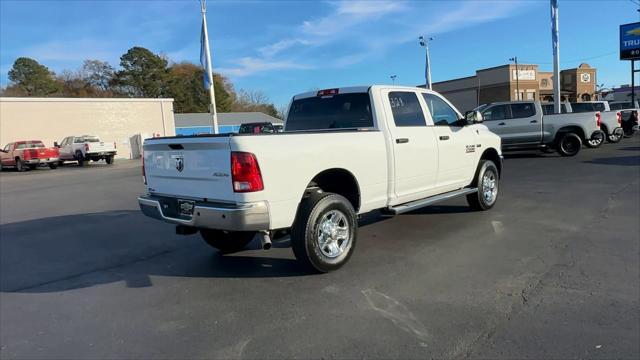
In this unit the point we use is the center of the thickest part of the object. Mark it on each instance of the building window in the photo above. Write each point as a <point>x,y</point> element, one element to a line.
<point>531,95</point>
<point>585,97</point>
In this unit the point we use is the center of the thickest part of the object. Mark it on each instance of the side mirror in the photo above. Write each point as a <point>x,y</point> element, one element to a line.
<point>473,117</point>
<point>55,144</point>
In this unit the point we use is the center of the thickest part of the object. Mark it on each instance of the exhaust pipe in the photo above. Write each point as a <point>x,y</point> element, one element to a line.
<point>265,240</point>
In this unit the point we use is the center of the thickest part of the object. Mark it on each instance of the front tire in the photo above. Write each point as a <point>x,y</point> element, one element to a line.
<point>487,182</point>
<point>227,242</point>
<point>324,233</point>
<point>569,144</point>
<point>53,166</point>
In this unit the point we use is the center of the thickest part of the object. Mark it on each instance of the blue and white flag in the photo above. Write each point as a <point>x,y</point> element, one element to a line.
<point>203,57</point>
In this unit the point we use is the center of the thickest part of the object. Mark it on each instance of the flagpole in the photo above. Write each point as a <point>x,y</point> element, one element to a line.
<point>556,56</point>
<point>212,95</point>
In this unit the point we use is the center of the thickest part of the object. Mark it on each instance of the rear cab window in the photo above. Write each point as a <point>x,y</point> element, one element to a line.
<point>339,111</point>
<point>522,110</point>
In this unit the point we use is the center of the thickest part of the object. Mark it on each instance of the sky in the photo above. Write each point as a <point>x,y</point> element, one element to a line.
<point>286,47</point>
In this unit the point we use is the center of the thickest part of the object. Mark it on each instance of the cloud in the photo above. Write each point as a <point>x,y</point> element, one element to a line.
<point>250,65</point>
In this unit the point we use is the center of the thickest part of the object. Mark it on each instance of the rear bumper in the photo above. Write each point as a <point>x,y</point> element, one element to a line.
<point>41,161</point>
<point>236,217</point>
<point>99,154</point>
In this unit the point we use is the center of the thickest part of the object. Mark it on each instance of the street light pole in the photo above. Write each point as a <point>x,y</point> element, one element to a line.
<point>427,65</point>
<point>515,59</point>
<point>393,78</point>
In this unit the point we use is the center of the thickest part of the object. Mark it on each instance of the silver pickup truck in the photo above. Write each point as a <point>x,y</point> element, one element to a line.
<point>522,126</point>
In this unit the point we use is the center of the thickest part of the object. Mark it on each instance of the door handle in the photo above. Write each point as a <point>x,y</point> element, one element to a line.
<point>533,121</point>
<point>444,137</point>
<point>402,141</point>
<point>502,123</point>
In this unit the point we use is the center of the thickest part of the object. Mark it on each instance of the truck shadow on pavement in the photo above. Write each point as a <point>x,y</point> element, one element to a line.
<point>617,160</point>
<point>78,251</point>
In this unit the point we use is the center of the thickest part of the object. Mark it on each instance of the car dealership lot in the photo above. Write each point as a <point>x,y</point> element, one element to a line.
<point>551,271</point>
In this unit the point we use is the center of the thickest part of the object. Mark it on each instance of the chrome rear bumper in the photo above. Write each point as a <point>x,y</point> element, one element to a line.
<point>231,217</point>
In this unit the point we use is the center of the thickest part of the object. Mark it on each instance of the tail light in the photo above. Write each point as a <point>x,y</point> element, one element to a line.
<point>598,119</point>
<point>245,172</point>
<point>30,154</point>
<point>114,145</point>
<point>144,173</point>
<point>86,147</point>
<point>619,117</point>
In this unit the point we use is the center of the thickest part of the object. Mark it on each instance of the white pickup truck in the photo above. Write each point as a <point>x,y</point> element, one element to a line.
<point>344,152</point>
<point>610,120</point>
<point>84,148</point>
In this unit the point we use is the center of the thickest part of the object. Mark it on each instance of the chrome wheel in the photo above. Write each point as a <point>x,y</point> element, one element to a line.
<point>596,140</point>
<point>489,187</point>
<point>333,234</point>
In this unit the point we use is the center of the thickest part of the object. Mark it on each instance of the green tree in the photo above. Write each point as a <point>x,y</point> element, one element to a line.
<point>143,74</point>
<point>30,78</point>
<point>186,87</point>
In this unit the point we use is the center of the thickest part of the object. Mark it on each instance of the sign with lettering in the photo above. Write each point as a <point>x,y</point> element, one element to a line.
<point>524,75</point>
<point>630,41</point>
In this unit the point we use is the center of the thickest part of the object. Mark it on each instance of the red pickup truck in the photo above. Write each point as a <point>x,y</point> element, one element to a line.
<point>30,154</point>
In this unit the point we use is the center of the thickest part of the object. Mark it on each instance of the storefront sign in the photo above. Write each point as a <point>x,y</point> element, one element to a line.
<point>524,75</point>
<point>630,41</point>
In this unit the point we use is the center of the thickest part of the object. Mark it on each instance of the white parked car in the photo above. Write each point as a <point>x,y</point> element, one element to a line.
<point>84,148</point>
<point>344,152</point>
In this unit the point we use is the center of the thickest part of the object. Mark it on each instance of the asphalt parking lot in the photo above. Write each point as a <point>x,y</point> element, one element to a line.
<point>553,271</point>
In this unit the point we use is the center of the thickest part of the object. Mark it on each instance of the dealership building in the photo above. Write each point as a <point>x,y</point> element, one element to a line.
<point>506,83</point>
<point>124,121</point>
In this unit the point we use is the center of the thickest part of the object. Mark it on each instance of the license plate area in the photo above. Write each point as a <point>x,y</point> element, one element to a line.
<point>185,207</point>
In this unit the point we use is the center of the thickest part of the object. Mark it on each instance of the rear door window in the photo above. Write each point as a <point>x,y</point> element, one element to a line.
<point>497,112</point>
<point>342,111</point>
<point>406,109</point>
<point>582,107</point>
<point>523,110</point>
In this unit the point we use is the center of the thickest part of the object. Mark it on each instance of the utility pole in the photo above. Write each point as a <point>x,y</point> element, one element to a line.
<point>556,56</point>
<point>393,78</point>
<point>209,68</point>
<point>427,64</point>
<point>515,59</point>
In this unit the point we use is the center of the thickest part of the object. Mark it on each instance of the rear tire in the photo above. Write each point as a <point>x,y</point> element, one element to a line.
<point>324,233</point>
<point>487,182</point>
<point>33,167</point>
<point>19,165</point>
<point>53,166</point>
<point>596,141</point>
<point>80,159</point>
<point>227,242</point>
<point>568,144</point>
<point>616,136</point>
<point>109,159</point>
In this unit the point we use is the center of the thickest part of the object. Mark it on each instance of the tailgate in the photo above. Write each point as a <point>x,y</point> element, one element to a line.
<point>198,167</point>
<point>96,147</point>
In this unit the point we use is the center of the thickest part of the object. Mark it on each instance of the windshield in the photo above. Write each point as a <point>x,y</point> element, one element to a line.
<point>343,111</point>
